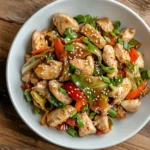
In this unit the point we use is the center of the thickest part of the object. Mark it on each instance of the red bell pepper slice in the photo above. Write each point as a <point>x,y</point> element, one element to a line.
<point>121,73</point>
<point>121,112</point>
<point>71,122</point>
<point>62,126</point>
<point>133,55</point>
<point>100,132</point>
<point>136,93</point>
<point>37,51</point>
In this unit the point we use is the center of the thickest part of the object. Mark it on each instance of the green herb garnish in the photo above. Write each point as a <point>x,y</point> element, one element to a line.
<point>80,123</point>
<point>62,90</point>
<point>69,48</point>
<point>107,39</point>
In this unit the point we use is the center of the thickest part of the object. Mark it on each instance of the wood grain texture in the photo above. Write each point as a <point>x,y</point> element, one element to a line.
<point>14,134</point>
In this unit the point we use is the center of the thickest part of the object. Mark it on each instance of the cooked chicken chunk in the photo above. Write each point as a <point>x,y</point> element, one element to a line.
<point>120,92</point>
<point>140,61</point>
<point>131,105</point>
<point>41,88</point>
<point>58,116</point>
<point>54,88</point>
<point>63,21</point>
<point>127,34</point>
<point>93,35</point>
<point>101,123</point>
<point>49,72</point>
<point>121,54</point>
<point>88,125</point>
<point>105,24</point>
<point>110,59</point>
<point>30,77</point>
<point>85,66</point>
<point>39,41</point>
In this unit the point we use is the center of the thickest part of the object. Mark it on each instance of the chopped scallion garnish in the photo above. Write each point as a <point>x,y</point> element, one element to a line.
<point>106,79</point>
<point>85,108</point>
<point>126,46</point>
<point>107,39</point>
<point>62,90</point>
<point>112,112</point>
<point>117,24</point>
<point>80,123</point>
<point>69,48</point>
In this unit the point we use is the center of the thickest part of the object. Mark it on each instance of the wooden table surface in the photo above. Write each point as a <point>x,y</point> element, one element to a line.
<point>14,133</point>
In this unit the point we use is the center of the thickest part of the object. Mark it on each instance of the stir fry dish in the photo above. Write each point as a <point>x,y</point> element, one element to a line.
<point>83,73</point>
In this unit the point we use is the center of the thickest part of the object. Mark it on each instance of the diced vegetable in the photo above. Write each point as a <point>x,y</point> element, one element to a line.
<point>62,90</point>
<point>110,122</point>
<point>72,69</point>
<point>90,86</point>
<point>92,114</point>
<point>116,31</point>
<point>107,39</point>
<point>120,41</point>
<point>111,86</point>
<point>85,108</point>
<point>112,112</point>
<point>133,55</point>
<point>90,47</point>
<point>139,81</point>
<point>36,110</point>
<point>71,122</point>
<point>59,49</point>
<point>67,40</point>
<point>100,132</point>
<point>69,48</point>
<point>56,103</point>
<point>121,73</point>
<point>80,104</point>
<point>62,127</point>
<point>85,19</point>
<point>119,80</point>
<point>134,43</point>
<point>136,93</point>
<point>107,69</point>
<point>74,116</point>
<point>69,33</point>
<point>51,57</point>
<point>40,101</point>
<point>34,52</point>
<point>112,33</point>
<point>145,74</point>
<point>105,79</point>
<point>126,46</point>
<point>79,40</point>
<point>28,95</point>
<point>121,112</point>
<point>72,132</point>
<point>97,71</point>
<point>117,24</point>
<point>80,123</point>
<point>129,65</point>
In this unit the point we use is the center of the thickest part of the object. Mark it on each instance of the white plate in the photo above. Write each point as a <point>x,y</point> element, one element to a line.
<point>123,129</point>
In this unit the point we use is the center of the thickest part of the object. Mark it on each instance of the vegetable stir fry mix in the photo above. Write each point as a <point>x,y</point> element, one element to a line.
<point>83,73</point>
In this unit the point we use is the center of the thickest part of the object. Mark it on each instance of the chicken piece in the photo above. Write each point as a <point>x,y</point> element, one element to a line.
<point>140,61</point>
<point>85,66</point>
<point>93,35</point>
<point>49,72</point>
<point>132,74</point>
<point>33,78</point>
<point>41,88</point>
<point>101,123</point>
<point>131,105</point>
<point>121,54</point>
<point>127,34</point>
<point>88,125</point>
<point>39,41</point>
<point>26,77</point>
<point>30,77</point>
<point>58,116</point>
<point>120,92</point>
<point>110,59</point>
<point>54,88</point>
<point>63,22</point>
<point>105,24</point>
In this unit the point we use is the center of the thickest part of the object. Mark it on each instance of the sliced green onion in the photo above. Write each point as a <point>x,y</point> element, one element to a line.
<point>28,95</point>
<point>107,69</point>
<point>112,112</point>
<point>145,74</point>
<point>116,31</point>
<point>72,69</point>
<point>111,86</point>
<point>36,110</point>
<point>106,79</point>
<point>69,48</point>
<point>110,122</point>
<point>56,103</point>
<point>136,68</point>
<point>69,33</point>
<point>72,132</point>
<point>126,46</point>
<point>107,39</point>
<point>75,116</point>
<point>51,57</point>
<point>112,33</point>
<point>67,40</point>
<point>85,108</point>
<point>113,82</point>
<point>120,41</point>
<point>91,47</point>
<point>92,114</point>
<point>85,40</point>
<point>129,65</point>
<point>139,81</point>
<point>97,71</point>
<point>117,24</point>
<point>62,90</point>
<point>119,80</point>
<point>80,123</point>
<point>73,113</point>
<point>80,19</point>
<point>134,43</point>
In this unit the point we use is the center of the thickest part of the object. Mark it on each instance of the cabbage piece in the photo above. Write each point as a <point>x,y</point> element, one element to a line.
<point>91,86</point>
